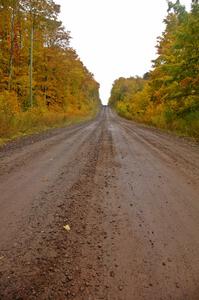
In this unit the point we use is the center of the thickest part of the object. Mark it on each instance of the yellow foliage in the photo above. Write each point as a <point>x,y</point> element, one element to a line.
<point>9,103</point>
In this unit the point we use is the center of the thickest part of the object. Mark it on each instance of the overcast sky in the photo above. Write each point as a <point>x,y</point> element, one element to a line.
<point>114,38</point>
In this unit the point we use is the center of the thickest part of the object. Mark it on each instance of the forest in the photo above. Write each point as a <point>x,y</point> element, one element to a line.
<point>43,82</point>
<point>168,95</point>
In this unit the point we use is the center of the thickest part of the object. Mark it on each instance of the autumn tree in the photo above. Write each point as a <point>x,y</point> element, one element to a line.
<point>38,68</point>
<point>170,95</point>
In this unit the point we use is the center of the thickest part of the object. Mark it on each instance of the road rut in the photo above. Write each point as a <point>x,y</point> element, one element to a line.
<point>130,196</point>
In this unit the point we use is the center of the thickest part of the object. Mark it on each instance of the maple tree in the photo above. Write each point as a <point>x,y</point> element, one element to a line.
<point>39,71</point>
<point>169,95</point>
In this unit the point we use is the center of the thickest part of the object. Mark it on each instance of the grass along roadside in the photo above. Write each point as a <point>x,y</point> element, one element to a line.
<point>186,126</point>
<point>182,128</point>
<point>34,121</point>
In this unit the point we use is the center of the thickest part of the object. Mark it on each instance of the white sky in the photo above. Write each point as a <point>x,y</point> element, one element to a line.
<point>114,38</point>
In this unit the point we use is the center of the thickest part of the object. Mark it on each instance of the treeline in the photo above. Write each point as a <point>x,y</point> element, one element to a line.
<point>42,80</point>
<point>168,95</point>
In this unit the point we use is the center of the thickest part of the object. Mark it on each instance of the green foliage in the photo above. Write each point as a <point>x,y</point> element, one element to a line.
<point>169,94</point>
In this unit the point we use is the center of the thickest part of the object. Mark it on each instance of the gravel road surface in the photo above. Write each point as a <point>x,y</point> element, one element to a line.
<point>129,195</point>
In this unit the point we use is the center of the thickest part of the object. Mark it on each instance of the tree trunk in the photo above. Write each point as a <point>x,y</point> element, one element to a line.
<point>11,50</point>
<point>31,63</point>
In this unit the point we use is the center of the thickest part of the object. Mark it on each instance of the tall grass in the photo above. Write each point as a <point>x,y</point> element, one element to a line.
<point>15,123</point>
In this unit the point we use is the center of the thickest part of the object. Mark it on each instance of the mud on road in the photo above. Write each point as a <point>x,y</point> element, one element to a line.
<point>130,196</point>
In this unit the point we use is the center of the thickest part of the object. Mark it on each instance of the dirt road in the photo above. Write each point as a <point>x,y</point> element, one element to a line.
<point>131,199</point>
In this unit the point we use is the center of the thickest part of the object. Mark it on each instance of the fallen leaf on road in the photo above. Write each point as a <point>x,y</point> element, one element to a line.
<point>67,227</point>
<point>45,179</point>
